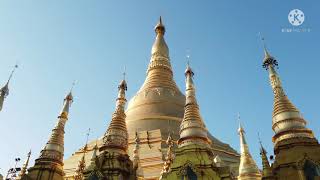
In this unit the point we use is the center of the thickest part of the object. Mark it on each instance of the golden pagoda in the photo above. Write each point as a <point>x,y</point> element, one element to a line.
<point>161,135</point>
<point>194,158</point>
<point>49,165</point>
<point>113,161</point>
<point>248,169</point>
<point>297,151</point>
<point>158,102</point>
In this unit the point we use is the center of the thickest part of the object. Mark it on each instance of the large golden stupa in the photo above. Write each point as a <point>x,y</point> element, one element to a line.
<point>153,112</point>
<point>162,136</point>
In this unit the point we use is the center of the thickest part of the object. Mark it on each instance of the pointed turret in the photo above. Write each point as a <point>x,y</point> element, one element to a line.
<point>113,161</point>
<point>56,140</point>
<point>287,122</point>
<point>4,91</point>
<point>157,103</point>
<point>194,156</point>
<point>116,136</point>
<point>192,128</point>
<point>52,154</point>
<point>266,168</point>
<point>248,169</point>
<point>24,167</point>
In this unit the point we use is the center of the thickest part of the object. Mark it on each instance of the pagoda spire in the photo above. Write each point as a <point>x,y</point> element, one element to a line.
<point>4,91</point>
<point>160,46</point>
<point>266,168</point>
<point>248,169</point>
<point>159,72</point>
<point>52,153</point>
<point>192,128</point>
<point>116,136</point>
<point>287,122</point>
<point>194,156</point>
<point>113,161</point>
<point>56,141</point>
<point>24,167</point>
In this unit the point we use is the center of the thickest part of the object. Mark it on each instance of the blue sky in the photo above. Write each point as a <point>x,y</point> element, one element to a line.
<point>57,42</point>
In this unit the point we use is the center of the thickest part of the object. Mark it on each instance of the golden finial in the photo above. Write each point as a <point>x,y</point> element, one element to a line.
<point>266,52</point>
<point>240,125</point>
<point>262,150</point>
<point>123,83</point>
<point>260,142</point>
<point>69,97</point>
<point>67,103</point>
<point>160,29</point>
<point>124,73</point>
<point>188,57</point>
<point>268,60</point>
<point>11,74</point>
<point>73,84</point>
<point>188,69</point>
<point>263,42</point>
<point>87,138</point>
